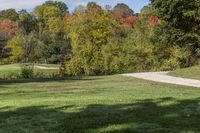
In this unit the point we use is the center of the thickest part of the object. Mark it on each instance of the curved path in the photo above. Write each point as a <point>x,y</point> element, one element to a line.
<point>164,78</point>
<point>49,68</point>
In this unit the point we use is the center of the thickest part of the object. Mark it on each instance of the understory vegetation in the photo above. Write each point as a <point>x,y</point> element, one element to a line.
<point>95,40</point>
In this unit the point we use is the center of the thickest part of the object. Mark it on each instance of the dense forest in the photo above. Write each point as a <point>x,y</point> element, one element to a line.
<point>95,40</point>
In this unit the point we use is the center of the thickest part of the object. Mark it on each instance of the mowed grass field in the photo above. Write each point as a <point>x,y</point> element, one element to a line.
<point>8,69</point>
<point>191,72</point>
<point>105,104</point>
<point>13,69</point>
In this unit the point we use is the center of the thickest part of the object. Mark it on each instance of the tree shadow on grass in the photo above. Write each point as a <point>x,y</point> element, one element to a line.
<point>43,80</point>
<point>154,116</point>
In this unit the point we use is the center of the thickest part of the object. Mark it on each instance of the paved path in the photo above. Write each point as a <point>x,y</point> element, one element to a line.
<point>164,78</point>
<point>49,68</point>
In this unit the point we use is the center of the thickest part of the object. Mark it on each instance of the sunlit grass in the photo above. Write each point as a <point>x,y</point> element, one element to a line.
<point>15,69</point>
<point>191,72</point>
<point>97,104</point>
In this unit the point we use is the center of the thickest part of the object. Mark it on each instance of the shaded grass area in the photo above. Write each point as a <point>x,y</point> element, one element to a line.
<point>192,72</point>
<point>107,104</point>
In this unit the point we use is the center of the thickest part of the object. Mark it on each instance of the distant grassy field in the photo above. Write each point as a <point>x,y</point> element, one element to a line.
<point>192,72</point>
<point>7,69</point>
<point>106,104</point>
<point>12,69</point>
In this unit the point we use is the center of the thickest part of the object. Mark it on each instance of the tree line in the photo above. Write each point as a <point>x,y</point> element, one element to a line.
<point>95,40</point>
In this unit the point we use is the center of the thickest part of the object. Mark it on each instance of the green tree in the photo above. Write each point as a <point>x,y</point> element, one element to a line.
<point>50,9</point>
<point>27,21</point>
<point>51,33</point>
<point>63,9</point>
<point>149,41</point>
<point>97,43</point>
<point>4,37</point>
<point>16,46</point>
<point>24,48</point>
<point>180,26</point>
<point>10,14</point>
<point>142,43</point>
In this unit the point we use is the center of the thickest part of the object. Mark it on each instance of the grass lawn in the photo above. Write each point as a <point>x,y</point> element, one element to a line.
<point>106,104</point>
<point>7,69</point>
<point>11,69</point>
<point>192,72</point>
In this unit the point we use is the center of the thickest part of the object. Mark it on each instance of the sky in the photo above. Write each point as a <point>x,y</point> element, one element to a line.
<point>136,5</point>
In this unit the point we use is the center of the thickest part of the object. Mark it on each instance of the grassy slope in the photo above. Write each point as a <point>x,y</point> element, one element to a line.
<point>6,69</point>
<point>192,72</point>
<point>16,68</point>
<point>97,104</point>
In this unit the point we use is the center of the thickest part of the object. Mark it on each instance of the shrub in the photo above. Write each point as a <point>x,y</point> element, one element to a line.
<point>27,72</point>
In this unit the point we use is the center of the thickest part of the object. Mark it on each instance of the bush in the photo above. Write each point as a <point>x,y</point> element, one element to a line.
<point>39,75</point>
<point>27,72</point>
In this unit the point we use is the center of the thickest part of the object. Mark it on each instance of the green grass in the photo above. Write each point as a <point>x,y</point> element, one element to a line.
<point>7,69</point>
<point>12,69</point>
<point>106,104</point>
<point>192,72</point>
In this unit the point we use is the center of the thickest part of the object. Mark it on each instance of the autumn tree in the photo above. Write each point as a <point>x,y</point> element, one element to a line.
<point>8,30</point>
<point>10,27</point>
<point>93,8</point>
<point>124,14</point>
<point>97,42</point>
<point>122,10</point>
<point>141,44</point>
<point>130,21</point>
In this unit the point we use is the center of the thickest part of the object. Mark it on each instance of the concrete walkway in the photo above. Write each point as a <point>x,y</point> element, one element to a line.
<point>164,78</point>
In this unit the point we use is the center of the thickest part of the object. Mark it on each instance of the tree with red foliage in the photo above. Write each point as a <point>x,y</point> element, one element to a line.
<point>122,10</point>
<point>130,21</point>
<point>153,20</point>
<point>9,27</point>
